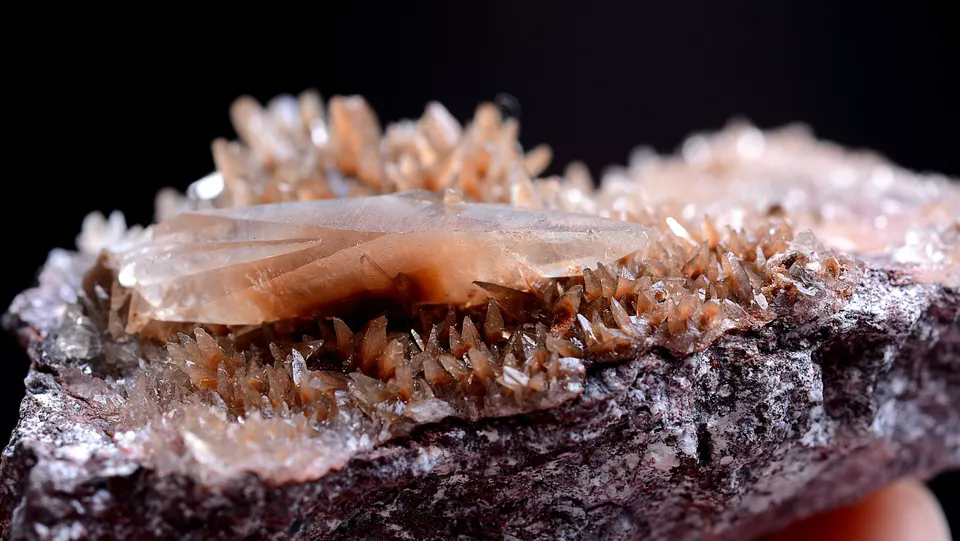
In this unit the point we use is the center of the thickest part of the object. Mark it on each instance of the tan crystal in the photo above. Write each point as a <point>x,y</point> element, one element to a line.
<point>261,264</point>
<point>356,132</point>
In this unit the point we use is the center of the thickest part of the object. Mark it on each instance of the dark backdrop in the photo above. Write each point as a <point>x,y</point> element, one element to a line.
<point>112,113</point>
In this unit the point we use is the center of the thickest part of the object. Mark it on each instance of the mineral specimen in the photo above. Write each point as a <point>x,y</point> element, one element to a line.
<point>349,334</point>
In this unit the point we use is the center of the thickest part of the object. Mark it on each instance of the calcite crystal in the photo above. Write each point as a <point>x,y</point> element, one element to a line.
<point>344,333</point>
<point>260,264</point>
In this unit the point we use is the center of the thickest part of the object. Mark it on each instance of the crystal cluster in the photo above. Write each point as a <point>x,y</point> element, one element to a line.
<point>295,150</point>
<point>331,287</point>
<point>521,340</point>
<point>521,350</point>
<point>853,201</point>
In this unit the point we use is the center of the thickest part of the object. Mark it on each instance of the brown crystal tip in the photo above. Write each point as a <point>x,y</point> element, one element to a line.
<point>352,285</point>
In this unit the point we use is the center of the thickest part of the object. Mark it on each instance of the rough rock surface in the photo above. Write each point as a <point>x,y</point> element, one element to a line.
<point>760,429</point>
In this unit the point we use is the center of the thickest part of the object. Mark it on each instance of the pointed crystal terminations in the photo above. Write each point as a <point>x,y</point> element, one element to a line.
<point>251,265</point>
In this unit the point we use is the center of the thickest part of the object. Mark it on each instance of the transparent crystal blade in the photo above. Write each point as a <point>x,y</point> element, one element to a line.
<point>215,267</point>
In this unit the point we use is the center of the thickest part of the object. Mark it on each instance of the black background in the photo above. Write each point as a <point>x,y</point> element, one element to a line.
<point>105,114</point>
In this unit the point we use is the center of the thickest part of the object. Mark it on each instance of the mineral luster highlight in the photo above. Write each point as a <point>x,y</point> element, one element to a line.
<point>334,285</point>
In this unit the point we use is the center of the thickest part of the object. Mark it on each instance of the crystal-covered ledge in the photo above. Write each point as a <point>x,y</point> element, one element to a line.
<point>683,345</point>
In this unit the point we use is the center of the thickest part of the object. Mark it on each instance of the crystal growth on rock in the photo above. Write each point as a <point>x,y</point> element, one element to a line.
<point>336,284</point>
<point>295,149</point>
<point>508,321</point>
